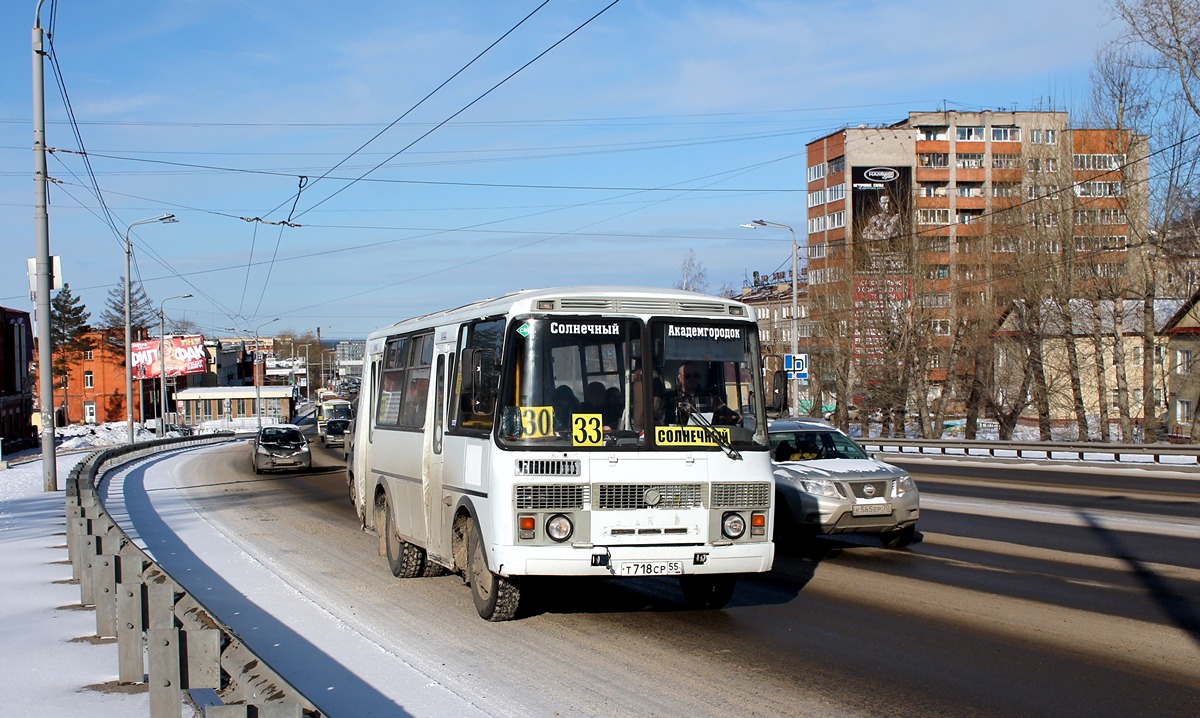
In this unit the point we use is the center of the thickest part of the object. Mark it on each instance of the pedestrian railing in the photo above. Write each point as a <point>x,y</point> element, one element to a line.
<point>165,636</point>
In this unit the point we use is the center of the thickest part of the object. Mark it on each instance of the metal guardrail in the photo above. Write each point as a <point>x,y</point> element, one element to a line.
<point>1045,450</point>
<point>154,619</point>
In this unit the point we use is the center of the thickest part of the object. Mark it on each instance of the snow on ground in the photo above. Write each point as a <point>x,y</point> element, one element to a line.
<point>50,661</point>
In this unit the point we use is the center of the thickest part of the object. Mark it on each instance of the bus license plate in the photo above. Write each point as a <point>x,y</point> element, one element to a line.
<point>651,568</point>
<point>871,509</point>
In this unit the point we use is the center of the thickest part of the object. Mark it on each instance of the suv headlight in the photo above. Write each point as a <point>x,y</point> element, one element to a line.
<point>819,487</point>
<point>904,484</point>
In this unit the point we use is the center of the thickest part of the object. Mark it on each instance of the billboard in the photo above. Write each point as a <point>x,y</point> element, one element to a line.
<point>185,355</point>
<point>880,200</point>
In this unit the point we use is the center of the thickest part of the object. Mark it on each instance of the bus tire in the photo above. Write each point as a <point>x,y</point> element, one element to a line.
<point>404,559</point>
<point>496,597</point>
<point>708,592</point>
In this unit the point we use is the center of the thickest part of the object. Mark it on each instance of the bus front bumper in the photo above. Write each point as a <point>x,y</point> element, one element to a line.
<point>632,561</point>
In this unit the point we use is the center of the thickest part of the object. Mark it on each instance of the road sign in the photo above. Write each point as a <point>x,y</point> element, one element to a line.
<point>796,365</point>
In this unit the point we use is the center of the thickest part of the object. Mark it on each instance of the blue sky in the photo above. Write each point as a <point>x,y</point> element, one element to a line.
<point>656,129</point>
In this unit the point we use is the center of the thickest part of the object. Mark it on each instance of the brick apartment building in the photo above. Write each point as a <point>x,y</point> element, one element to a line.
<point>931,218</point>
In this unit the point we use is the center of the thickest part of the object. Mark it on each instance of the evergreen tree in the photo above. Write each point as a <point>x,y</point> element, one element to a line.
<point>68,329</point>
<point>142,313</point>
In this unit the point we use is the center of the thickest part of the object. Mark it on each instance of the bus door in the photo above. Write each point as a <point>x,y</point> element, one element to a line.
<point>437,513</point>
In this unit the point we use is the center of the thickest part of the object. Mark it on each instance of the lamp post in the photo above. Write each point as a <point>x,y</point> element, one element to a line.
<point>166,219</point>
<point>792,383</point>
<point>307,376</point>
<point>258,412</point>
<point>162,362</point>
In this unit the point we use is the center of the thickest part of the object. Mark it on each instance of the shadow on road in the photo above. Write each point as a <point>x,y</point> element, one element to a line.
<point>1179,609</point>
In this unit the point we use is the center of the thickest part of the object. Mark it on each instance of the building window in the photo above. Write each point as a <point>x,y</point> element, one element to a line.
<point>1099,216</point>
<point>972,189</point>
<point>1051,137</point>
<point>968,161</point>
<point>939,160</point>
<point>1004,245</point>
<point>932,134</point>
<point>836,192</point>
<point>836,165</point>
<point>1006,189</point>
<point>935,244</point>
<point>1006,134</point>
<point>933,189</point>
<point>1099,189</point>
<point>1006,162</point>
<point>89,380</point>
<point>816,251</point>
<point>816,197</point>
<point>933,360</point>
<point>1183,410</point>
<point>934,300</point>
<point>816,224</point>
<point>939,327</point>
<point>816,172</point>
<point>969,134</point>
<point>967,216</point>
<point>1097,162</point>
<point>1035,137</point>
<point>937,271</point>
<point>87,354</point>
<point>1183,361</point>
<point>933,216</point>
<point>837,219</point>
<point>1101,243</point>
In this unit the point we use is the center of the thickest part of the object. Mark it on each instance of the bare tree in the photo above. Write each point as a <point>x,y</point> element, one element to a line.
<point>694,276</point>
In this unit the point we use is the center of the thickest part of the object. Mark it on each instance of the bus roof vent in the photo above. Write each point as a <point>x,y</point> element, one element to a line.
<point>703,308</point>
<point>593,304</point>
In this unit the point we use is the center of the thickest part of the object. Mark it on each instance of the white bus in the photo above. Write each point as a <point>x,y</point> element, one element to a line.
<point>332,408</point>
<point>589,431</point>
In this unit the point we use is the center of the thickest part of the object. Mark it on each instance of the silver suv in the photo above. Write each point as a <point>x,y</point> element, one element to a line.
<point>827,484</point>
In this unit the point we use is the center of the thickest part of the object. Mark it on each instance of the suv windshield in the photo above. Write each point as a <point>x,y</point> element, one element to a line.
<point>593,382</point>
<point>814,445</point>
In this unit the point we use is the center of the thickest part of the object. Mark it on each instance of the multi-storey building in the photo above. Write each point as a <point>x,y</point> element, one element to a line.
<point>915,228</point>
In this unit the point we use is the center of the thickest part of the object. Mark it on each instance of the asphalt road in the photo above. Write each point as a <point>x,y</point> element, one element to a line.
<point>1049,593</point>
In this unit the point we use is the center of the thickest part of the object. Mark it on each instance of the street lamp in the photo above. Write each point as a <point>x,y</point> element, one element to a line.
<point>165,219</point>
<point>755,224</point>
<point>162,362</point>
<point>307,375</point>
<point>258,412</point>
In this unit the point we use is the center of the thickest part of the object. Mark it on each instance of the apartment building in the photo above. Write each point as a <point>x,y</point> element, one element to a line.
<point>912,226</point>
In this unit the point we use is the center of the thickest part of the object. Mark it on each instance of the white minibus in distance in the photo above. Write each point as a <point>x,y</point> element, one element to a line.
<point>587,431</point>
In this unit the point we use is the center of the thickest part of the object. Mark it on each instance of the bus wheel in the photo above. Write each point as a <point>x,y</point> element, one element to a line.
<point>404,559</point>
<point>496,597</point>
<point>707,592</point>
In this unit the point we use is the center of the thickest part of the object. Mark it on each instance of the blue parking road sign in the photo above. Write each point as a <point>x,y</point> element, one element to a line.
<point>796,365</point>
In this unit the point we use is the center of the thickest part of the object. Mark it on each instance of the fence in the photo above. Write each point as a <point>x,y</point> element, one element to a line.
<point>165,637</point>
<point>1166,455</point>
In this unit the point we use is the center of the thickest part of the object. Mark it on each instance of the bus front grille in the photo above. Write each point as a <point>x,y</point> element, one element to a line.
<point>550,496</point>
<point>739,496</point>
<point>648,496</point>
<point>547,467</point>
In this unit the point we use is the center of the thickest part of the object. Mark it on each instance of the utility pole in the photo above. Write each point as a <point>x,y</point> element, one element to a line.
<point>42,267</point>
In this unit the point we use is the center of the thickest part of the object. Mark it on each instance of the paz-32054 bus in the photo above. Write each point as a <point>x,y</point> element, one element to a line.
<point>589,431</point>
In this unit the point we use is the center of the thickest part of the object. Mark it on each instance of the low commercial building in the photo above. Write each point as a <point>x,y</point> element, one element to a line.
<point>227,403</point>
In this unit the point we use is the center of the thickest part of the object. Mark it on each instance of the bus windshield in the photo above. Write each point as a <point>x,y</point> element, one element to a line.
<point>593,382</point>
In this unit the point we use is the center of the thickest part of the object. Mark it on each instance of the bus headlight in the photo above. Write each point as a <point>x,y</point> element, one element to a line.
<point>733,525</point>
<point>559,528</point>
